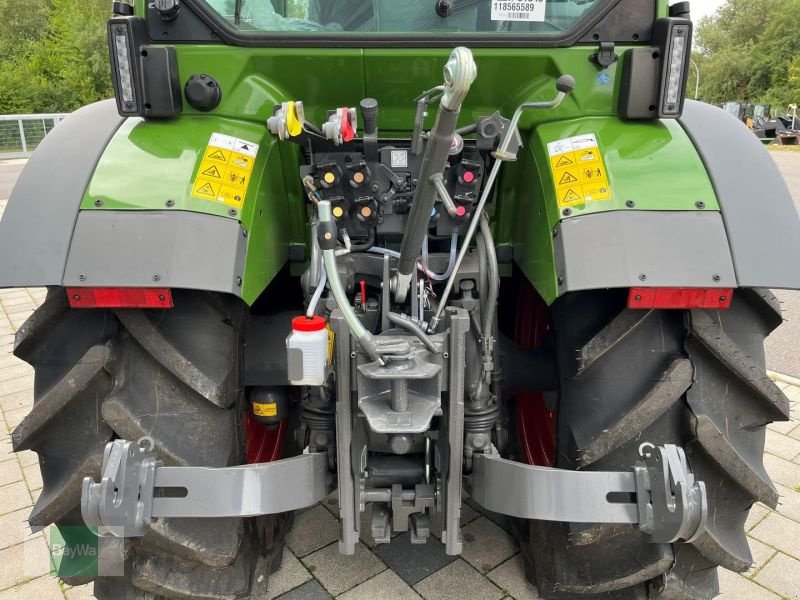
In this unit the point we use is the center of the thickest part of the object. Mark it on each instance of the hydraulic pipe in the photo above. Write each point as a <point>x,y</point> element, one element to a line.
<point>327,243</point>
<point>459,73</point>
<point>409,325</point>
<point>565,85</point>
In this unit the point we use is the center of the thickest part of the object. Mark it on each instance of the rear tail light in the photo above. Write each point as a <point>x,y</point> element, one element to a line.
<point>118,297</point>
<point>648,298</point>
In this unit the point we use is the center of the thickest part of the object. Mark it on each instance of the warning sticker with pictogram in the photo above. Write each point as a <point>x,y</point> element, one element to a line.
<point>224,173</point>
<point>578,171</point>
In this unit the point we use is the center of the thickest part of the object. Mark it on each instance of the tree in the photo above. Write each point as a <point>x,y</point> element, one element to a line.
<point>747,52</point>
<point>53,58</point>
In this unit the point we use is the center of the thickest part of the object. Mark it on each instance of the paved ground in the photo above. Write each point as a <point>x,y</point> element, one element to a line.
<point>782,353</point>
<point>490,567</point>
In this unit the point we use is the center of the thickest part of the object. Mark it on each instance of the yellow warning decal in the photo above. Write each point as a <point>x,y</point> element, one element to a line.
<point>265,410</point>
<point>225,171</point>
<point>578,171</point>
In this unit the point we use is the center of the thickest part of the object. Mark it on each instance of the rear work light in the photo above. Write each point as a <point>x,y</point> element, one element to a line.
<point>119,297</point>
<point>648,298</point>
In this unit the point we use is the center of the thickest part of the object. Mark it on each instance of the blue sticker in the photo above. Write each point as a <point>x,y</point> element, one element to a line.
<point>603,78</point>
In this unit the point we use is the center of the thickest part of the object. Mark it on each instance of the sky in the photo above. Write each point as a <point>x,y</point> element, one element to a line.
<point>703,8</point>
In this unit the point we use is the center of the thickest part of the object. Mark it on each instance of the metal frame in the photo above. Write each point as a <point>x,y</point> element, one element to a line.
<point>26,144</point>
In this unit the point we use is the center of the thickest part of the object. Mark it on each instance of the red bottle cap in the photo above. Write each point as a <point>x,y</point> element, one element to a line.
<point>306,324</point>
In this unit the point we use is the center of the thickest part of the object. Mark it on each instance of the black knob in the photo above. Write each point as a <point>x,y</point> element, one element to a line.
<point>565,83</point>
<point>369,114</point>
<point>202,92</point>
<point>167,9</point>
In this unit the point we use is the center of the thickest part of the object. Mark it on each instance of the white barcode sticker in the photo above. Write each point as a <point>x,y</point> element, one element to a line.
<point>527,10</point>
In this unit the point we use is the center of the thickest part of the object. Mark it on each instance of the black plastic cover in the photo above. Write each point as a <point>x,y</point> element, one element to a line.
<point>155,83</point>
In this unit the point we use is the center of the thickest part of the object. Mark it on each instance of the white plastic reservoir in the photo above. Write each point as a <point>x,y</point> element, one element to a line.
<point>307,350</point>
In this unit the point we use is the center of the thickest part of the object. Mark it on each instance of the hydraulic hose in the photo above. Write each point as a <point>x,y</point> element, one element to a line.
<point>327,243</point>
<point>492,277</point>
<point>451,263</point>
<point>564,85</point>
<point>459,73</point>
<point>312,305</point>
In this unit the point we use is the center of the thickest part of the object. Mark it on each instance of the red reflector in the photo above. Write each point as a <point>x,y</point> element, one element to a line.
<point>97,297</point>
<point>680,298</point>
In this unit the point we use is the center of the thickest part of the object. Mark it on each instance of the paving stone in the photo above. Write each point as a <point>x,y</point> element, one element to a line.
<point>761,552</point>
<point>338,572</point>
<point>14,528</point>
<point>795,433</point>
<point>19,384</point>
<point>80,592</point>
<point>510,577</point>
<point>783,427</point>
<point>33,477</point>
<point>25,301</point>
<point>789,503</point>
<point>20,370</point>
<point>23,399</point>
<point>13,497</point>
<point>23,562</point>
<point>6,452</point>
<point>502,521</point>
<point>458,580</point>
<point>413,562</point>
<point>485,544</point>
<point>781,575</point>
<point>757,512</point>
<point>291,575</point>
<point>782,471</point>
<point>43,588</point>
<point>28,457</point>
<point>779,532</point>
<point>313,529</point>
<point>10,472</point>
<point>14,417</point>
<point>733,586</point>
<point>12,293</point>
<point>308,591</point>
<point>468,515</point>
<point>782,445</point>
<point>384,585</point>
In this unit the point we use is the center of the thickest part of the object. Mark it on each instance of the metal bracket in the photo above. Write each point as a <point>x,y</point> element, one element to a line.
<point>661,496</point>
<point>672,504</point>
<point>605,56</point>
<point>126,499</point>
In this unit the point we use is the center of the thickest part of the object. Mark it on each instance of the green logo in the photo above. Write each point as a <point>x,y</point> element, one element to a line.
<point>74,551</point>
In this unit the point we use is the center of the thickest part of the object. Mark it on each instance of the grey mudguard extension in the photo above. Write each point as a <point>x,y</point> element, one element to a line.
<point>156,249</point>
<point>653,249</point>
<point>760,218</point>
<point>37,225</point>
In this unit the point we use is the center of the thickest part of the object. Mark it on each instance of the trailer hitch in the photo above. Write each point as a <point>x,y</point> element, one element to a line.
<point>134,488</point>
<point>660,494</point>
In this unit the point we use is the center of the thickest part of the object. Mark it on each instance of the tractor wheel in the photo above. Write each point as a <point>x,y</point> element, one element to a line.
<point>174,375</point>
<point>692,378</point>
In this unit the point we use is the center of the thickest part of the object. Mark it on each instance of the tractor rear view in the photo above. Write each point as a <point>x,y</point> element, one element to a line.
<point>399,250</point>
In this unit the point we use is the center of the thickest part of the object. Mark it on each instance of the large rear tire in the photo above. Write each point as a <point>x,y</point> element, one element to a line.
<point>174,375</point>
<point>691,378</point>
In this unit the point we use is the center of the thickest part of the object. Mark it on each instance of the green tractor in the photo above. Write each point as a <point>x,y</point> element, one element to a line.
<point>400,250</point>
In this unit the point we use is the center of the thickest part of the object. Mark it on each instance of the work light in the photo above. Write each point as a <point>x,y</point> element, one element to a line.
<point>123,50</point>
<point>676,42</point>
